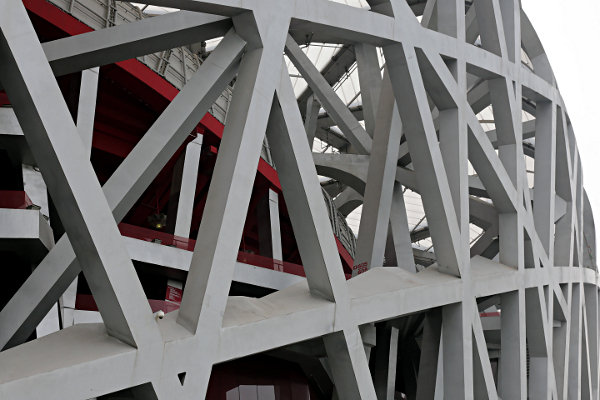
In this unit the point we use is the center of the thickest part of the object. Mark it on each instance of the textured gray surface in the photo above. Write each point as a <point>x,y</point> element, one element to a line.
<point>544,278</point>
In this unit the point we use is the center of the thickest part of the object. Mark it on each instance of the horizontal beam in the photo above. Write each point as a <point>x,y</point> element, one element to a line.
<point>126,41</point>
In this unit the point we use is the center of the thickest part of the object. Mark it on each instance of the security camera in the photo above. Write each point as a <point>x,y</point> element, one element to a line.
<point>159,315</point>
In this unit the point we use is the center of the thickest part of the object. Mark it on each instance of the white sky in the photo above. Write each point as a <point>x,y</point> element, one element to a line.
<point>569,31</point>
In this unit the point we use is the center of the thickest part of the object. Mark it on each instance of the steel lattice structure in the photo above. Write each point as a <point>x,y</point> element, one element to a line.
<point>434,84</point>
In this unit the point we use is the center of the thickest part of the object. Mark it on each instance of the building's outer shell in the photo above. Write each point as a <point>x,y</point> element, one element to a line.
<point>393,330</point>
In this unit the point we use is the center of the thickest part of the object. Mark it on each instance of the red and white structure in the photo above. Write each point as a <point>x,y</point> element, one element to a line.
<point>181,191</point>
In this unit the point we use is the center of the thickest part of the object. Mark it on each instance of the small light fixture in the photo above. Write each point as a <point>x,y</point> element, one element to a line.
<point>33,207</point>
<point>157,221</point>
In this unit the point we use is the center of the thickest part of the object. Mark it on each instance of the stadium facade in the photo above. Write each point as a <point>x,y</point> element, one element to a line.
<point>290,200</point>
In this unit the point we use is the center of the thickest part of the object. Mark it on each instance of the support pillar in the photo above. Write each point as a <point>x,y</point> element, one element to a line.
<point>381,176</point>
<point>398,249</point>
<point>35,187</point>
<point>429,365</point>
<point>369,75</point>
<point>386,358</point>
<point>512,320</point>
<point>269,229</point>
<point>591,309</point>
<point>455,352</point>
<point>312,115</point>
<point>183,190</point>
<point>349,365</point>
<point>536,341</point>
<point>86,112</point>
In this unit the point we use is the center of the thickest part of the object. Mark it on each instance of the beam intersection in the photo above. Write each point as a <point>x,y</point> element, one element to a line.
<point>421,131</point>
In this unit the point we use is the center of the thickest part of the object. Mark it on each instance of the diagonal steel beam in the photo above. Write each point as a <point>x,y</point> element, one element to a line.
<point>47,283</point>
<point>353,131</point>
<point>302,193</point>
<point>379,189</point>
<point>71,180</point>
<point>427,159</point>
<point>126,41</point>
<point>211,270</point>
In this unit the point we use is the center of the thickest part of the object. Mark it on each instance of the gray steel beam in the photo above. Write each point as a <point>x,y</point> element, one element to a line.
<point>126,41</point>
<point>86,112</point>
<point>55,144</point>
<point>433,184</point>
<point>310,122</point>
<point>535,296</point>
<point>379,188</point>
<point>430,350</point>
<point>269,229</point>
<point>340,62</point>
<point>353,131</point>
<point>214,257</point>
<point>369,75</point>
<point>325,120</point>
<point>43,288</point>
<point>384,374</point>
<point>183,190</point>
<point>398,250</point>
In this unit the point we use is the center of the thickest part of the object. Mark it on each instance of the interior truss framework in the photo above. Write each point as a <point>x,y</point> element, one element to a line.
<point>545,279</point>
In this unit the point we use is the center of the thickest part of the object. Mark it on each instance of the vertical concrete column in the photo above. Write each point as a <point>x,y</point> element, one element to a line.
<point>430,352</point>
<point>67,304</point>
<point>586,372</point>
<point>386,358</point>
<point>575,336</point>
<point>455,352</point>
<point>536,341</point>
<point>560,352</point>
<point>183,190</point>
<point>381,176</point>
<point>439,380</point>
<point>563,237</point>
<point>544,179</point>
<point>414,108</point>
<point>269,229</point>
<point>429,19</point>
<point>451,134</point>
<point>512,339</point>
<point>86,112</point>
<point>398,249</point>
<point>349,366</point>
<point>35,187</point>
<point>316,244</point>
<point>369,76</point>
<point>447,12</point>
<point>591,309</point>
<point>312,115</point>
<point>479,385</point>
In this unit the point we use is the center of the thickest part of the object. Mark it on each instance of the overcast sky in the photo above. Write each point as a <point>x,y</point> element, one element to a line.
<point>570,33</point>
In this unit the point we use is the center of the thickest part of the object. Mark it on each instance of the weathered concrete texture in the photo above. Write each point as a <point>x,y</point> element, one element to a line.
<point>534,260</point>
